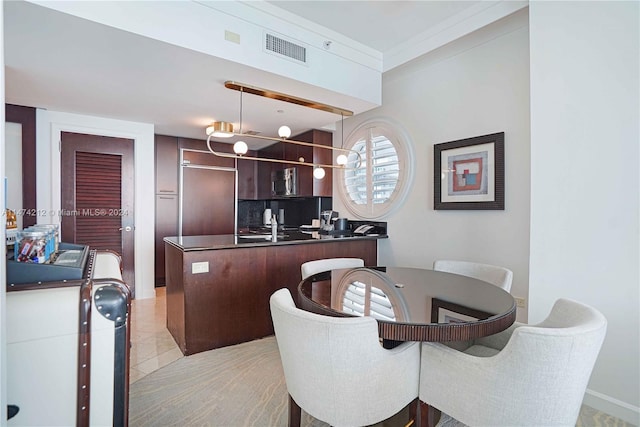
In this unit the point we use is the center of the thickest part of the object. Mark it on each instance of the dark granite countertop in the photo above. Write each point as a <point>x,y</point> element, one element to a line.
<point>256,239</point>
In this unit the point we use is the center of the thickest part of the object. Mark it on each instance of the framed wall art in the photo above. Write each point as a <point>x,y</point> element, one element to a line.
<point>468,174</point>
<point>448,312</point>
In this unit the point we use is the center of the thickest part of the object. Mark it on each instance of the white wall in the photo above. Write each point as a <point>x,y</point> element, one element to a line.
<point>3,262</point>
<point>474,86</point>
<point>49,125</point>
<point>584,175</point>
<point>201,26</point>
<point>13,168</point>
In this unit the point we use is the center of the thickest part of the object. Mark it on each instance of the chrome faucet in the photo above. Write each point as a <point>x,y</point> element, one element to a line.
<point>274,229</point>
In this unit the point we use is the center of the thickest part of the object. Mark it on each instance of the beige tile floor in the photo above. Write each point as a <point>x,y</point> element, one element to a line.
<point>152,346</point>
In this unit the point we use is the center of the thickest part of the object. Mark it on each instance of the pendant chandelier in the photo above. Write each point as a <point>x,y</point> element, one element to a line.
<point>220,129</point>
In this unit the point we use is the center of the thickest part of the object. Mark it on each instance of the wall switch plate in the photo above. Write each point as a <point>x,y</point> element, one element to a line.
<point>520,302</point>
<point>200,267</point>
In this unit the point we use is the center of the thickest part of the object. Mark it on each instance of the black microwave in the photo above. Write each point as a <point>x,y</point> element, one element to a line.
<point>284,183</point>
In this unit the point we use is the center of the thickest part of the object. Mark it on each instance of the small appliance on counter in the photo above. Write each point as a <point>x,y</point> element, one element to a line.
<point>326,220</point>
<point>269,214</point>
<point>281,217</point>
<point>341,224</point>
<point>266,217</point>
<point>284,183</point>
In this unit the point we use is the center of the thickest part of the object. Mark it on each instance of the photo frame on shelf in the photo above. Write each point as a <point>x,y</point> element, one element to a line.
<point>468,174</point>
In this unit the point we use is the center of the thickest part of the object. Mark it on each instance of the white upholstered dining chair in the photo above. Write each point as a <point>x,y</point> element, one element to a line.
<point>337,371</point>
<point>310,268</point>
<point>499,276</point>
<point>527,375</point>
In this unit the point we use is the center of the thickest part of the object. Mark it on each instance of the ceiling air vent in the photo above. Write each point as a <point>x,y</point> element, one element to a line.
<point>285,48</point>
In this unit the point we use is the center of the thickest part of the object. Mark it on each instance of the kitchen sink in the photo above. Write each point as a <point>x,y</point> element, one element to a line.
<point>255,236</point>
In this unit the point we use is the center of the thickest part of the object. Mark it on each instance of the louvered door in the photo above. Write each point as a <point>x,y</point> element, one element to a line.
<point>97,195</point>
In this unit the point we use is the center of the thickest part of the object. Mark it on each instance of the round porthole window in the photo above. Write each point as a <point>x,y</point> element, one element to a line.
<point>380,182</point>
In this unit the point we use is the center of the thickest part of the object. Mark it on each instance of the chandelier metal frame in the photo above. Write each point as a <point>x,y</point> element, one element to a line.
<point>225,129</point>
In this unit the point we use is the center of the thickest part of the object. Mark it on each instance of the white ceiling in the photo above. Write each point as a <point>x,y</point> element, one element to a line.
<point>381,25</point>
<point>63,63</point>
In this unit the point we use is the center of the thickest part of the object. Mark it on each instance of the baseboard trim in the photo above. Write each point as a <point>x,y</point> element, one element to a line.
<point>612,406</point>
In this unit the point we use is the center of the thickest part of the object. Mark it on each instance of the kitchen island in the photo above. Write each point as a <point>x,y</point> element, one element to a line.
<point>218,286</point>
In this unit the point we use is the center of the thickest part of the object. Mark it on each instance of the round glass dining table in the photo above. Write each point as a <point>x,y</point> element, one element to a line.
<point>411,304</point>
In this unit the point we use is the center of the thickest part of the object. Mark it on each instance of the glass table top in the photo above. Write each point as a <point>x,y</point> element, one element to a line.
<point>410,297</point>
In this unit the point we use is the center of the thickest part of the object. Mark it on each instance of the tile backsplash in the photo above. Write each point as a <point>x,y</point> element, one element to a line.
<point>297,211</point>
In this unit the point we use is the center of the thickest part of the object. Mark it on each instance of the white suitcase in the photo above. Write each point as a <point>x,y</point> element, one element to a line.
<point>68,349</point>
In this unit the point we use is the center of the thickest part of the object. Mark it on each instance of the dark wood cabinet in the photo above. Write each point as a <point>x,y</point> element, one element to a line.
<point>247,178</point>
<point>193,144</point>
<point>166,225</point>
<point>208,200</point>
<point>26,117</point>
<point>198,153</point>
<point>253,178</point>
<point>167,157</point>
<point>264,169</point>
<point>229,303</point>
<point>208,189</point>
<point>307,185</point>
<point>166,164</point>
<point>166,221</point>
<point>298,153</point>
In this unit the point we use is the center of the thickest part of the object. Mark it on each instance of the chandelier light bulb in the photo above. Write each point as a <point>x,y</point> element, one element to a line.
<point>284,131</point>
<point>318,173</point>
<point>220,129</point>
<point>240,148</point>
<point>340,158</point>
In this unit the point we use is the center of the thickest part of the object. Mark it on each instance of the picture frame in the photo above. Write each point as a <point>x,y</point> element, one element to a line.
<point>447,312</point>
<point>447,316</point>
<point>468,174</point>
